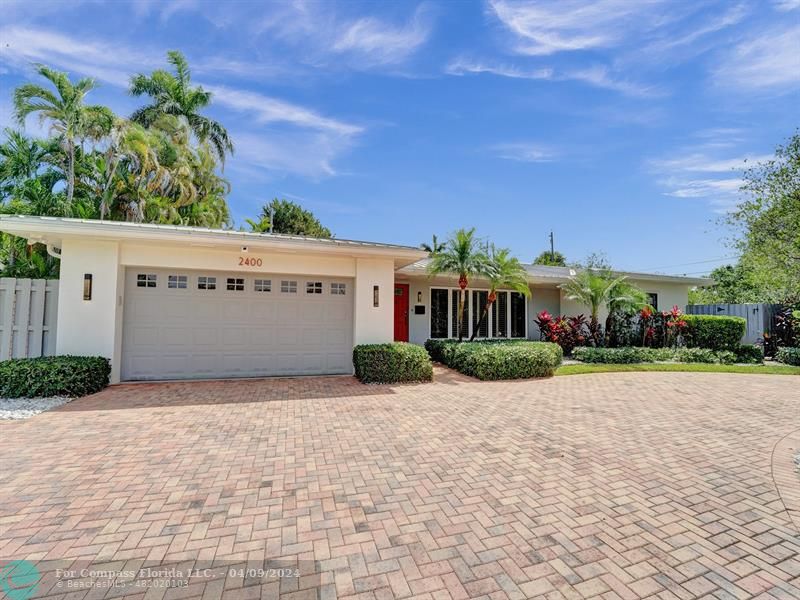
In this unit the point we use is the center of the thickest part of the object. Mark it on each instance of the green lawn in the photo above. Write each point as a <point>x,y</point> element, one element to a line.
<point>691,367</point>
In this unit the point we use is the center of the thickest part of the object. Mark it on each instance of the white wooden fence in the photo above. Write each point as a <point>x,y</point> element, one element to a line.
<point>759,317</point>
<point>28,309</point>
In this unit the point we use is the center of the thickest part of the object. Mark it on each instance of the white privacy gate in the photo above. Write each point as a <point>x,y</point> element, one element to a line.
<point>28,311</point>
<point>759,316</point>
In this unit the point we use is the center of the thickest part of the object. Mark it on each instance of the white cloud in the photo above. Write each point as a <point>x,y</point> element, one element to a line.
<point>700,173</point>
<point>378,42</point>
<point>307,145</point>
<point>266,110</point>
<point>551,26</point>
<point>769,60</point>
<point>597,76</point>
<point>528,152</point>
<point>786,5</point>
<point>309,154</point>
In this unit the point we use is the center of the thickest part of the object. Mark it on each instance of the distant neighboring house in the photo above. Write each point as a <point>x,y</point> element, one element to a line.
<point>167,302</point>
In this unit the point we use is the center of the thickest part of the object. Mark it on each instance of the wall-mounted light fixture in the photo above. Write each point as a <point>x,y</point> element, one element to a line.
<point>87,286</point>
<point>419,297</point>
<point>375,296</point>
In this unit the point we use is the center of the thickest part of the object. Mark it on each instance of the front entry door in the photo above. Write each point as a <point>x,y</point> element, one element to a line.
<point>401,312</point>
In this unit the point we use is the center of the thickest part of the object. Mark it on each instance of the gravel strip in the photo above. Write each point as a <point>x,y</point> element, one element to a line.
<point>24,408</point>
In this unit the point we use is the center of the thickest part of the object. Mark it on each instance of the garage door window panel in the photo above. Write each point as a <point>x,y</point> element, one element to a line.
<point>262,285</point>
<point>234,284</point>
<point>206,283</point>
<point>177,282</point>
<point>146,280</point>
<point>288,287</point>
<point>313,287</point>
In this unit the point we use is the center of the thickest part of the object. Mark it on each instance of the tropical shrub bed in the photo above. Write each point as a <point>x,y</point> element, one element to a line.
<point>53,376</point>
<point>789,356</point>
<point>498,359</point>
<point>398,362</point>
<point>712,332</point>
<point>627,355</point>
<point>636,354</point>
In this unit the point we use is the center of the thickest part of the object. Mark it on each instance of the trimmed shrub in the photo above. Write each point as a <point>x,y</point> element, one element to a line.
<point>511,360</point>
<point>749,353</point>
<point>625,355</point>
<point>701,355</point>
<point>53,376</point>
<point>497,359</point>
<point>789,356</point>
<point>398,362</point>
<point>713,333</point>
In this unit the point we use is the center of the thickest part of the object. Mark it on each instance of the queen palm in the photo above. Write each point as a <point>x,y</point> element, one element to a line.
<point>71,119</point>
<point>460,255</point>
<point>595,290</point>
<point>504,271</point>
<point>173,94</point>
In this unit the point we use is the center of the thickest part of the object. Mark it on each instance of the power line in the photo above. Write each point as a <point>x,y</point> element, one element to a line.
<point>699,262</point>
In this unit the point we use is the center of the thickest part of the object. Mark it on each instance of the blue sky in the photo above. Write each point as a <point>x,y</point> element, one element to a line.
<point>620,124</point>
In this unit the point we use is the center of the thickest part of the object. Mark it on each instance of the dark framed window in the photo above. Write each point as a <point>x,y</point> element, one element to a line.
<point>177,282</point>
<point>206,283</point>
<point>500,320</point>
<point>235,284</point>
<point>479,300</point>
<point>146,280</point>
<point>517,315</point>
<point>438,313</point>
<point>454,308</point>
<point>653,300</point>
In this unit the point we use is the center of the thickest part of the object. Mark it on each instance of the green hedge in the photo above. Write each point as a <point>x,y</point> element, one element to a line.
<point>633,355</point>
<point>53,376</point>
<point>397,362</point>
<point>749,353</point>
<point>497,359</point>
<point>626,355</point>
<point>714,333</point>
<point>789,356</point>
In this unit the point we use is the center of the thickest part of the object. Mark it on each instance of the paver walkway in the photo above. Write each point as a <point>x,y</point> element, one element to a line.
<point>619,485</point>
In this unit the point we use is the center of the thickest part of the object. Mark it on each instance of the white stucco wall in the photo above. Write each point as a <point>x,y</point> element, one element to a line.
<point>373,325</point>
<point>89,327</point>
<point>95,327</point>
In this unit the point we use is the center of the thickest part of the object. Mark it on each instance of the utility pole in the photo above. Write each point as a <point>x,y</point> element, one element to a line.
<point>552,248</point>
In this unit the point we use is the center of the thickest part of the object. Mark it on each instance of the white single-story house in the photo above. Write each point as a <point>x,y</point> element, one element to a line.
<point>167,302</point>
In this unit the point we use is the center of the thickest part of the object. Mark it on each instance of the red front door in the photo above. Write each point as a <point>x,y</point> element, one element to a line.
<point>400,312</point>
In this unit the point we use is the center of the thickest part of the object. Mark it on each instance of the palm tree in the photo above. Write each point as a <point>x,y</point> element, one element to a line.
<point>434,247</point>
<point>173,94</point>
<point>71,119</point>
<point>593,289</point>
<point>461,254</point>
<point>504,271</point>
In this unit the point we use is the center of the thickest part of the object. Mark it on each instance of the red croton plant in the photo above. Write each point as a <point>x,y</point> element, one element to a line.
<point>567,332</point>
<point>661,329</point>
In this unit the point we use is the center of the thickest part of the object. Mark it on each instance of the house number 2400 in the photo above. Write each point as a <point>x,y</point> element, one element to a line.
<point>246,261</point>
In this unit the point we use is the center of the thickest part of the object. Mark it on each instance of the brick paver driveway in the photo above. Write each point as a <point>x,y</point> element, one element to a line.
<point>613,485</point>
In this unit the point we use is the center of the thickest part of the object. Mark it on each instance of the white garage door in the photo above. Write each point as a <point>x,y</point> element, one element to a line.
<point>182,324</point>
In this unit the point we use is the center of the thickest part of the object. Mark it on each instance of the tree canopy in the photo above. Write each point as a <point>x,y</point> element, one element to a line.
<point>160,166</point>
<point>551,259</point>
<point>288,217</point>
